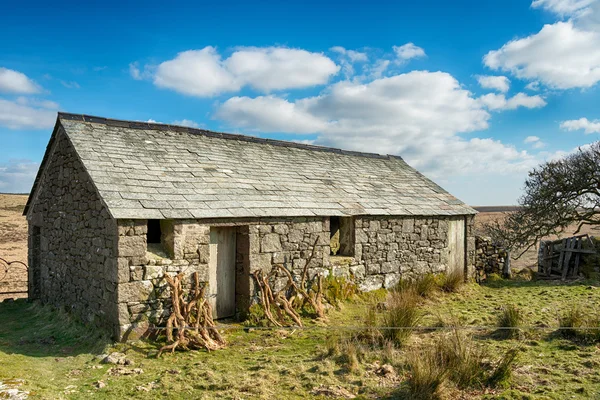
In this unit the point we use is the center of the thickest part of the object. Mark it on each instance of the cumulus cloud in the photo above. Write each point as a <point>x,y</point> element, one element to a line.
<point>418,115</point>
<point>495,102</point>
<point>18,116</point>
<point>353,55</point>
<point>534,142</point>
<point>561,56</point>
<point>269,114</point>
<point>584,124</point>
<point>408,51</point>
<point>499,83</point>
<point>28,101</point>
<point>564,8</point>
<point>17,82</point>
<point>347,59</point>
<point>16,176</point>
<point>186,122</point>
<point>204,73</point>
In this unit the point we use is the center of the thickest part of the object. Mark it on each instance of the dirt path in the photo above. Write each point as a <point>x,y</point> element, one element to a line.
<point>13,242</point>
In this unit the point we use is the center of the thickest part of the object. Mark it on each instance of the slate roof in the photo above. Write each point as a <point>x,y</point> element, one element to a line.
<point>155,171</point>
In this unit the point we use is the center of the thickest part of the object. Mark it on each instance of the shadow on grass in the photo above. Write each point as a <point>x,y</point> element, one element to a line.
<point>520,283</point>
<point>41,331</point>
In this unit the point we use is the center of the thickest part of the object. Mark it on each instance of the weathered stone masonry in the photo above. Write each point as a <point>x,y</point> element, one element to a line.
<point>73,242</point>
<point>385,250</point>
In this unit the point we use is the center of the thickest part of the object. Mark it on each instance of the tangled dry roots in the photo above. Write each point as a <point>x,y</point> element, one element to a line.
<point>292,297</point>
<point>190,325</point>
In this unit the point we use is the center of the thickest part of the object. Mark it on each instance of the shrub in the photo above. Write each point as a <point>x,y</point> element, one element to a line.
<point>501,375</point>
<point>463,359</point>
<point>427,377</point>
<point>338,289</point>
<point>426,285</point>
<point>570,320</point>
<point>575,323</point>
<point>458,358</point>
<point>346,351</point>
<point>402,312</point>
<point>510,319</point>
<point>452,281</point>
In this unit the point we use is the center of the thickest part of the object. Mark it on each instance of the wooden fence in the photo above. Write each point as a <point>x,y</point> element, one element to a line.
<point>562,258</point>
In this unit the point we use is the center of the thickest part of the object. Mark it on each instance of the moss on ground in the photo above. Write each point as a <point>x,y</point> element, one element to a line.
<point>57,356</point>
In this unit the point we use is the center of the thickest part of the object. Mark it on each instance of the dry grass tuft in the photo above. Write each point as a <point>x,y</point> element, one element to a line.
<point>452,281</point>
<point>402,312</point>
<point>509,320</point>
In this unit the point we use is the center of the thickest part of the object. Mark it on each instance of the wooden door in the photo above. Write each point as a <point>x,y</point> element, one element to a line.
<point>456,245</point>
<point>221,271</point>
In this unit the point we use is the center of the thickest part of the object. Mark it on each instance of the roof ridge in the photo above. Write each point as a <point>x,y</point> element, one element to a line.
<point>220,135</point>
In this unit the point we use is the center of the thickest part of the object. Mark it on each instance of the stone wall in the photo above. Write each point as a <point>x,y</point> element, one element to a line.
<point>490,257</point>
<point>143,294</point>
<point>72,241</point>
<point>387,249</point>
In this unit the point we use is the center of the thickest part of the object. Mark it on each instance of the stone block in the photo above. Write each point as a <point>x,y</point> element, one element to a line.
<point>295,236</point>
<point>153,272</point>
<point>361,236</point>
<point>270,243</point>
<point>132,246</point>
<point>254,243</point>
<point>388,267</point>
<point>408,225</point>
<point>260,262</point>
<point>358,271</point>
<point>204,253</point>
<point>371,282</point>
<point>281,229</point>
<point>391,280</point>
<point>138,291</point>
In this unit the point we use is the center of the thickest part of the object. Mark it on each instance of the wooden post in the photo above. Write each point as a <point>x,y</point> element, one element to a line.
<point>562,254</point>
<point>568,253</point>
<point>506,267</point>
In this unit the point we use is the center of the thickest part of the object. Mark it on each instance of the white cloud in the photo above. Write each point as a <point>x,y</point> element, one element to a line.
<point>186,122</point>
<point>561,56</point>
<point>347,59</point>
<point>16,82</point>
<point>70,84</point>
<point>16,176</point>
<point>418,115</point>
<point>269,114</point>
<point>499,83</point>
<point>353,55</point>
<point>496,102</point>
<point>17,116</point>
<point>27,101</point>
<point>564,8</point>
<point>203,73</point>
<point>408,51</point>
<point>534,142</point>
<point>134,71</point>
<point>584,124</point>
<point>533,86</point>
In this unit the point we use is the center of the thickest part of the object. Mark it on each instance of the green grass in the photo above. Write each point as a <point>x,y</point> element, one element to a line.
<point>56,356</point>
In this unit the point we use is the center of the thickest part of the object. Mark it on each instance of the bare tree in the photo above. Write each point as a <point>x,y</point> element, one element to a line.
<point>557,194</point>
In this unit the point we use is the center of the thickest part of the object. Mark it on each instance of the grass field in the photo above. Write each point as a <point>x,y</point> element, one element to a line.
<point>56,357</point>
<point>45,353</point>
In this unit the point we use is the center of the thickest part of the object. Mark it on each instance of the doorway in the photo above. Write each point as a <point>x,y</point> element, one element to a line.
<point>221,271</point>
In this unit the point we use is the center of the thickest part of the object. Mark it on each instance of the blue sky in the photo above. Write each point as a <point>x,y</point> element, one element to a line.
<point>474,94</point>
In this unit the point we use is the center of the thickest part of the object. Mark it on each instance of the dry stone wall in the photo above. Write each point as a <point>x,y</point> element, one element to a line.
<point>73,242</point>
<point>490,257</point>
<point>389,248</point>
<point>144,296</point>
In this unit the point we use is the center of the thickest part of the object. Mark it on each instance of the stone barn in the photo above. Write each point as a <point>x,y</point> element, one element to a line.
<point>116,205</point>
